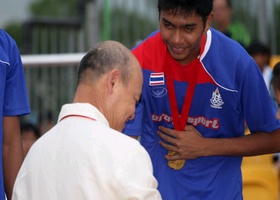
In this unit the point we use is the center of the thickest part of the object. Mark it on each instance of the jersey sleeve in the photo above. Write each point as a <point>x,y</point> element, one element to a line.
<point>259,110</point>
<point>15,93</point>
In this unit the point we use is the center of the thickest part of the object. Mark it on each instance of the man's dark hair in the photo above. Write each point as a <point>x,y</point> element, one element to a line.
<point>200,7</point>
<point>275,80</point>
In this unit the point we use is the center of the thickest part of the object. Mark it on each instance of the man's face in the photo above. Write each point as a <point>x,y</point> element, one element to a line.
<point>182,34</point>
<point>222,12</point>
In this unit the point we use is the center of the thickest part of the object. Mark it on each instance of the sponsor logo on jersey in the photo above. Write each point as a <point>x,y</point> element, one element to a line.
<point>165,117</point>
<point>216,100</point>
<point>156,79</point>
<point>195,121</point>
<point>158,92</point>
<point>208,123</point>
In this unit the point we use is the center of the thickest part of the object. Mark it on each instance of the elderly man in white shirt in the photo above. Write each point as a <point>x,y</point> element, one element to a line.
<point>85,155</point>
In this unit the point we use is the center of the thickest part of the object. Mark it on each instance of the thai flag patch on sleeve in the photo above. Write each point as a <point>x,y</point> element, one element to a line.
<point>156,79</point>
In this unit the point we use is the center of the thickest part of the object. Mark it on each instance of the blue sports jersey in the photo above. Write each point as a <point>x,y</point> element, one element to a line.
<point>229,89</point>
<point>13,94</point>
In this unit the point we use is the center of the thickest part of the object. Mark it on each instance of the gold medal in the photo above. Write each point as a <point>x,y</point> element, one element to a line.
<point>175,164</point>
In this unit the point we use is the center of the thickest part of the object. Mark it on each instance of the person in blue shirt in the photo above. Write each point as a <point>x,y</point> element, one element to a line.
<point>13,103</point>
<point>199,88</point>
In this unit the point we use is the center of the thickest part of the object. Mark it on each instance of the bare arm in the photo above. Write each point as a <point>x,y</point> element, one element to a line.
<point>12,152</point>
<point>248,145</point>
<point>190,144</point>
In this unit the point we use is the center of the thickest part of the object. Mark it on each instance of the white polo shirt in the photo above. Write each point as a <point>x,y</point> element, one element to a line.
<point>81,157</point>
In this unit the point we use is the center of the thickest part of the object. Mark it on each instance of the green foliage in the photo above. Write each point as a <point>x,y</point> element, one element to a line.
<point>242,15</point>
<point>54,8</point>
<point>15,31</point>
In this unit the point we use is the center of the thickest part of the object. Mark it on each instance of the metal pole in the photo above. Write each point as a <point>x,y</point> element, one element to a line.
<point>262,19</point>
<point>272,30</point>
<point>93,23</point>
<point>106,24</point>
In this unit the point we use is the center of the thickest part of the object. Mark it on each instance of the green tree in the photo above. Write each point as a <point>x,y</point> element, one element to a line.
<point>15,30</point>
<point>54,8</point>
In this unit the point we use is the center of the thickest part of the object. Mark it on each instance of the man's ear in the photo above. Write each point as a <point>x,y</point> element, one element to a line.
<point>113,80</point>
<point>209,21</point>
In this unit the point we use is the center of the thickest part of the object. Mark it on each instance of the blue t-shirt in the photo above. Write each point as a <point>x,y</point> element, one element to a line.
<point>229,90</point>
<point>13,94</point>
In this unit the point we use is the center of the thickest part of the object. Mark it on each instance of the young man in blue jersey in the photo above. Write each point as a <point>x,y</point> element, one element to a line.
<point>13,103</point>
<point>199,88</point>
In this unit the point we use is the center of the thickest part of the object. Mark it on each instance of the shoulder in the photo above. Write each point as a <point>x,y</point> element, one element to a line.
<point>8,47</point>
<point>4,35</point>
<point>150,51</point>
<point>226,60</point>
<point>150,45</point>
<point>127,146</point>
<point>153,38</point>
<point>225,50</point>
<point>220,40</point>
<point>5,39</point>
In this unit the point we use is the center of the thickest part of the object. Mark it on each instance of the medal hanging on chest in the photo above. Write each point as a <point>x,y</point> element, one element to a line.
<point>180,120</point>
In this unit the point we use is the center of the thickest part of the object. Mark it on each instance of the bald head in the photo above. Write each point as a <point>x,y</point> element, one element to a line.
<point>110,78</point>
<point>104,57</point>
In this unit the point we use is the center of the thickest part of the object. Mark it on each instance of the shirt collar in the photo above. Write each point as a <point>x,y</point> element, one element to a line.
<point>84,109</point>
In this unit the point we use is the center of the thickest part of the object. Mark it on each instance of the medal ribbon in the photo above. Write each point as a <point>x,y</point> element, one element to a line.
<point>180,120</point>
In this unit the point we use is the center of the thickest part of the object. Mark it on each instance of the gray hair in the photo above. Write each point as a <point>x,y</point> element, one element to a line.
<point>104,57</point>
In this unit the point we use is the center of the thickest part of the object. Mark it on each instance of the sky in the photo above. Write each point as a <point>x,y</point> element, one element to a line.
<point>13,10</point>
